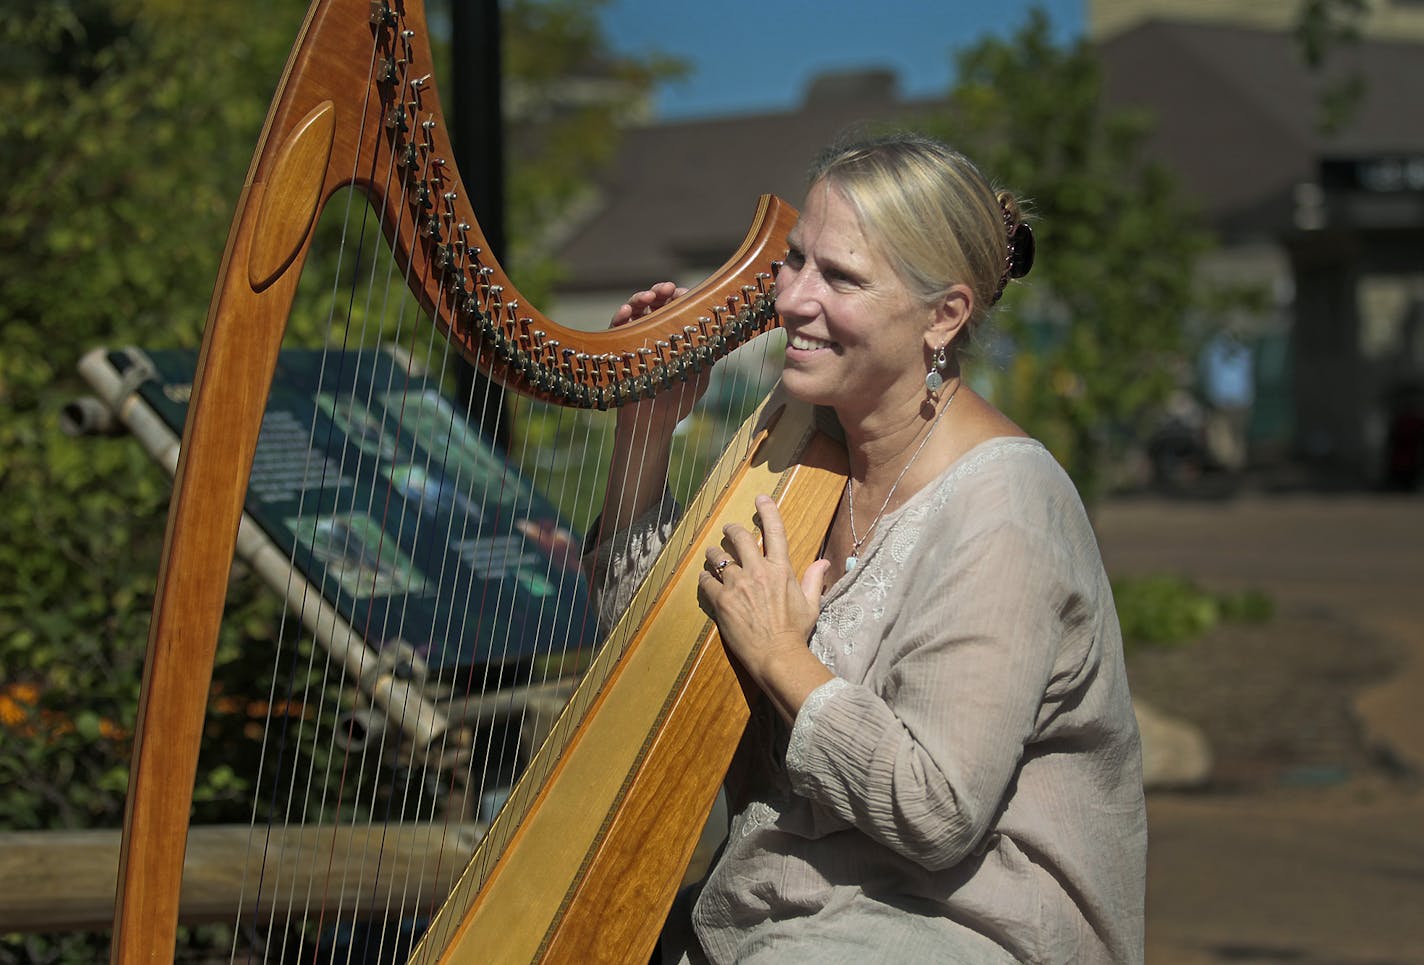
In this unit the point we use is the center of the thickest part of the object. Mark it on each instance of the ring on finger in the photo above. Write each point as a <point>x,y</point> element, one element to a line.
<point>719,567</point>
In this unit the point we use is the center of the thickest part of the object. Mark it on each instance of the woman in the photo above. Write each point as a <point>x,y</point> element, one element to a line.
<point>946,766</point>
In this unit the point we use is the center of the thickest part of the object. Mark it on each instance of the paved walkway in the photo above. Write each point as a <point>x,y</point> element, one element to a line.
<point>1332,875</point>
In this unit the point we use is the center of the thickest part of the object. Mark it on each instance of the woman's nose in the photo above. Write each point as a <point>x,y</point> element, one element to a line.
<point>792,293</point>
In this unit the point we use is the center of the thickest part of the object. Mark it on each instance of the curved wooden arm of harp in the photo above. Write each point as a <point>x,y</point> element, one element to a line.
<point>392,146</point>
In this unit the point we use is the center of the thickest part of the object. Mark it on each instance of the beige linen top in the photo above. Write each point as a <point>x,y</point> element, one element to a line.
<point>968,788</point>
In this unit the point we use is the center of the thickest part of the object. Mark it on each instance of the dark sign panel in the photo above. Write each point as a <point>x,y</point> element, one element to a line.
<point>400,512</point>
<point>1382,174</point>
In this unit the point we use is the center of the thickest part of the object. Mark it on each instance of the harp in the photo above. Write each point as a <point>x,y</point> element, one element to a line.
<point>583,858</point>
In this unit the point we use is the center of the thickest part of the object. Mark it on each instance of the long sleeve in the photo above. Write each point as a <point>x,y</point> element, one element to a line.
<point>618,562</point>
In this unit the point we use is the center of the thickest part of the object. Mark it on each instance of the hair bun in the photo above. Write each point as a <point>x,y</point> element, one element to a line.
<point>1021,250</point>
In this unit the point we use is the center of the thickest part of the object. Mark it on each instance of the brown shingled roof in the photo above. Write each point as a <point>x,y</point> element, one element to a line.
<point>1236,118</point>
<point>1237,111</point>
<point>684,193</point>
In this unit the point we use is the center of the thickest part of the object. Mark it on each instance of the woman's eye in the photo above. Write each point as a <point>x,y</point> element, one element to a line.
<point>794,259</point>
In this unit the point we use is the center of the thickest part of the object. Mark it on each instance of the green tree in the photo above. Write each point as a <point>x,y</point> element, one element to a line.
<point>566,93</point>
<point>1321,28</point>
<point>121,174</point>
<point>1099,334</point>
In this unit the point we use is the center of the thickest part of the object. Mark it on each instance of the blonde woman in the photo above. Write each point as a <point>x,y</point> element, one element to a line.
<point>946,765</point>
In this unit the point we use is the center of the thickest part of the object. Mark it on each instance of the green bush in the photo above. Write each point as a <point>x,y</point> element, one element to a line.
<point>1170,610</point>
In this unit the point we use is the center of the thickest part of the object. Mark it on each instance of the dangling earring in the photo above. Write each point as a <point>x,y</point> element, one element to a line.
<point>934,380</point>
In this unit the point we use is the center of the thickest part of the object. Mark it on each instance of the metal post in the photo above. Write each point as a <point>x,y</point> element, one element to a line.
<point>477,131</point>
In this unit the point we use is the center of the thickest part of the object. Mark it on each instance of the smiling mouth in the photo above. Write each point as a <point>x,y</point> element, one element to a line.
<point>806,343</point>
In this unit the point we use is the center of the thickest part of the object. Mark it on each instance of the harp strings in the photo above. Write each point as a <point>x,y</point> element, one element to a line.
<point>375,636</point>
<point>507,504</point>
<point>744,390</point>
<point>418,784</point>
<point>334,543</point>
<point>279,740</point>
<point>311,773</point>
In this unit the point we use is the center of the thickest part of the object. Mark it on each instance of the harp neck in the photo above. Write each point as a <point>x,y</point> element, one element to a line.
<point>359,99</point>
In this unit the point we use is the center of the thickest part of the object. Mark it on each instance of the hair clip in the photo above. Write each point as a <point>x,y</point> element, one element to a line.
<point>1021,250</point>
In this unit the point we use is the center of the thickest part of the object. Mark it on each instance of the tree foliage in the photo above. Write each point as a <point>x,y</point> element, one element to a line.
<point>1097,335</point>
<point>128,127</point>
<point>565,92</point>
<point>1322,27</point>
<point>122,174</point>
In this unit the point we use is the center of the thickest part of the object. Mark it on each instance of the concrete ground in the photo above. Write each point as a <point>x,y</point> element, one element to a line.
<point>1308,845</point>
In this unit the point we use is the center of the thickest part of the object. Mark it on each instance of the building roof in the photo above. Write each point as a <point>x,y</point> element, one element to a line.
<point>1397,19</point>
<point>683,194</point>
<point>1236,117</point>
<point>1237,113</point>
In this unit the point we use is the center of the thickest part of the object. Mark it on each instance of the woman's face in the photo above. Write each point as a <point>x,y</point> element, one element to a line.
<point>856,336</point>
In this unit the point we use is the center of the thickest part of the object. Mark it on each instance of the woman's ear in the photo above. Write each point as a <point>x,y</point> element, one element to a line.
<point>950,316</point>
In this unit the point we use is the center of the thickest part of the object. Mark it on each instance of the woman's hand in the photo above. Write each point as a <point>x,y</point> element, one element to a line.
<point>659,415</point>
<point>764,613</point>
<point>646,302</point>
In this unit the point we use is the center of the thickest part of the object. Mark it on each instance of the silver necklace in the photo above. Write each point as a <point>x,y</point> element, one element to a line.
<point>853,560</point>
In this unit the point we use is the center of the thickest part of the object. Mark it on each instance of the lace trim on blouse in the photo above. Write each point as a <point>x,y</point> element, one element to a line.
<point>840,620</point>
<point>804,726</point>
<point>756,815</point>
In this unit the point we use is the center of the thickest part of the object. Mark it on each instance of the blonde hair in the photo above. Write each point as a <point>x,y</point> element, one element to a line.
<point>935,217</point>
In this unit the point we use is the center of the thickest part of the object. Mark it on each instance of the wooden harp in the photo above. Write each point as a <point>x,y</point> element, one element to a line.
<point>583,860</point>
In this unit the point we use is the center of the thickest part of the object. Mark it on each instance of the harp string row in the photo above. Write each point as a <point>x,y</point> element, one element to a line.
<point>442,763</point>
<point>284,636</point>
<point>324,687</point>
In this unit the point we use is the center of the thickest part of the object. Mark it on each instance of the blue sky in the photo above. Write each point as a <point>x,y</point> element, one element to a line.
<point>752,55</point>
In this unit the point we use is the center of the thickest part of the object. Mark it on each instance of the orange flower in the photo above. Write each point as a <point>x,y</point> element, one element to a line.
<point>11,714</point>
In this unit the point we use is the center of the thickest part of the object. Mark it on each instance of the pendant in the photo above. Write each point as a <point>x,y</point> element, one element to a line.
<point>851,563</point>
<point>933,380</point>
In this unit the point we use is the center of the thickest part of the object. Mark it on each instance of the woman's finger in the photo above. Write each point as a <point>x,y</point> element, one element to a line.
<point>773,530</point>
<point>813,583</point>
<point>718,560</point>
<point>641,303</point>
<point>745,546</point>
<point>653,298</point>
<point>710,588</point>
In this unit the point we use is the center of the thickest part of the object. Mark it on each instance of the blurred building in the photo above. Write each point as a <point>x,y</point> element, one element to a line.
<point>1329,219</point>
<point>1389,19</point>
<point>1326,208</point>
<point>681,195</point>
